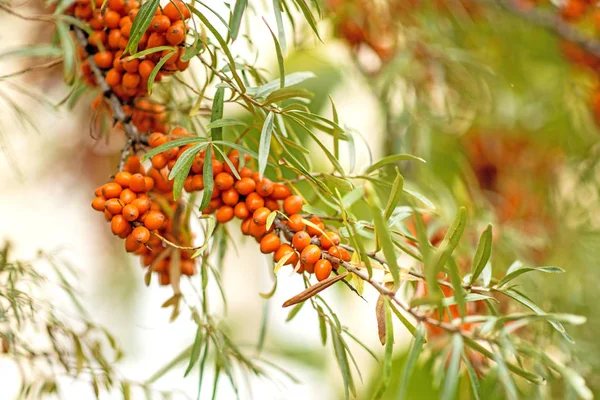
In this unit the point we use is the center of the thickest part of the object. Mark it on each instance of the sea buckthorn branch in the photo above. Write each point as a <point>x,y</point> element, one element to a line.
<point>551,22</point>
<point>133,135</point>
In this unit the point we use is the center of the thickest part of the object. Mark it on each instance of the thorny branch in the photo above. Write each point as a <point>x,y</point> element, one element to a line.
<point>131,131</point>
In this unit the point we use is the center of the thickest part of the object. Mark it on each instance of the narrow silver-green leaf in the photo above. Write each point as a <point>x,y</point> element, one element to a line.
<point>236,17</point>
<point>207,175</point>
<point>512,275</point>
<point>181,169</point>
<point>452,373</point>
<point>482,254</point>
<point>195,354</point>
<point>387,360</point>
<point>280,28</point>
<point>265,143</point>
<point>157,68</point>
<point>395,194</point>
<point>411,361</point>
<point>140,25</point>
<point>279,58</point>
<point>392,159</point>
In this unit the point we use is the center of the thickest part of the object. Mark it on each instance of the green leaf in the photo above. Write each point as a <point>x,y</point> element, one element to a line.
<point>482,254</point>
<point>334,161</point>
<point>171,145</point>
<point>140,25</point>
<point>509,385</point>
<point>389,347</point>
<point>236,17</point>
<point>512,275</point>
<point>395,194</point>
<point>407,324</point>
<point>217,114</point>
<point>383,235</point>
<point>342,359</point>
<point>459,292</point>
<point>529,304</point>
<point>451,239</point>
<point>308,16</point>
<point>290,80</point>
<point>195,354</point>
<point>411,361</point>
<point>294,311</point>
<point>69,52</point>
<point>41,50</point>
<point>157,68</point>
<point>280,29</point>
<point>224,47</point>
<point>219,123</point>
<point>340,183</point>
<point>287,93</point>
<point>473,379</point>
<point>392,159</point>
<point>193,50</point>
<point>279,58</point>
<point>207,175</point>
<point>149,51</point>
<point>265,143</point>
<point>181,169</point>
<point>452,373</point>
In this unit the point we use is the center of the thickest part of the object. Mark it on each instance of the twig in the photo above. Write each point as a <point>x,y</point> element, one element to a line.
<point>49,64</point>
<point>553,23</point>
<point>118,114</point>
<point>38,18</point>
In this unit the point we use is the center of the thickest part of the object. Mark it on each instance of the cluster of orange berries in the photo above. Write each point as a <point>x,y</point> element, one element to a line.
<point>252,198</point>
<point>111,28</point>
<point>147,116</point>
<point>128,204</point>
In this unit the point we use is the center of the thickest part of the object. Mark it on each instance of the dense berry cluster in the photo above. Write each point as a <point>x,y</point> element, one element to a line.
<point>133,207</point>
<point>111,27</point>
<point>252,198</point>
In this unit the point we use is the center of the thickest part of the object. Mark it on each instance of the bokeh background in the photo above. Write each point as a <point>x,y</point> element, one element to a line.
<point>499,108</point>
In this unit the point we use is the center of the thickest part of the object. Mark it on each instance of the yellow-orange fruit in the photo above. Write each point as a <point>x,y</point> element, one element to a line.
<point>118,224</point>
<point>224,214</point>
<point>269,243</point>
<point>329,239</point>
<point>295,223</point>
<point>292,205</point>
<point>283,251</point>
<point>154,220</point>
<point>141,234</point>
<point>259,217</point>
<point>323,269</point>
<point>114,206</point>
<point>300,240</point>
<point>98,203</point>
<point>311,254</point>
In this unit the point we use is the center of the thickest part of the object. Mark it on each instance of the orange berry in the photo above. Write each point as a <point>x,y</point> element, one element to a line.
<point>160,23</point>
<point>111,190</point>
<point>114,206</point>
<point>127,196</point>
<point>97,38</point>
<point>260,216</point>
<point>142,204</point>
<point>117,5</point>
<point>217,167</point>
<point>316,221</point>
<point>131,244</point>
<point>295,223</point>
<point>98,191</point>
<point>130,80</point>
<point>122,178</point>
<point>224,181</point>
<point>310,268</point>
<point>264,187</point>
<point>103,59</point>
<point>130,212</point>
<point>141,234</point>
<point>254,202</point>
<point>198,182</point>
<point>269,243</point>
<point>175,34</point>
<point>245,186</point>
<point>157,138</point>
<point>301,240</point>
<point>131,66</point>
<point>323,269</point>
<point>175,10</point>
<point>329,239</point>
<point>246,173</point>
<point>246,226</point>
<point>258,231</point>
<point>159,161</point>
<point>272,204</point>
<point>156,40</point>
<point>145,69</point>
<point>280,191</point>
<point>114,37</point>
<point>241,211</point>
<point>154,220</point>
<point>230,197</point>
<point>98,203</point>
<point>188,267</point>
<point>224,214</point>
<point>111,19</point>
<point>292,205</point>
<point>137,183</point>
<point>283,251</point>
<point>126,232</point>
<point>216,194</point>
<point>118,224</point>
<point>108,216</point>
<point>198,165</point>
<point>149,184</point>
